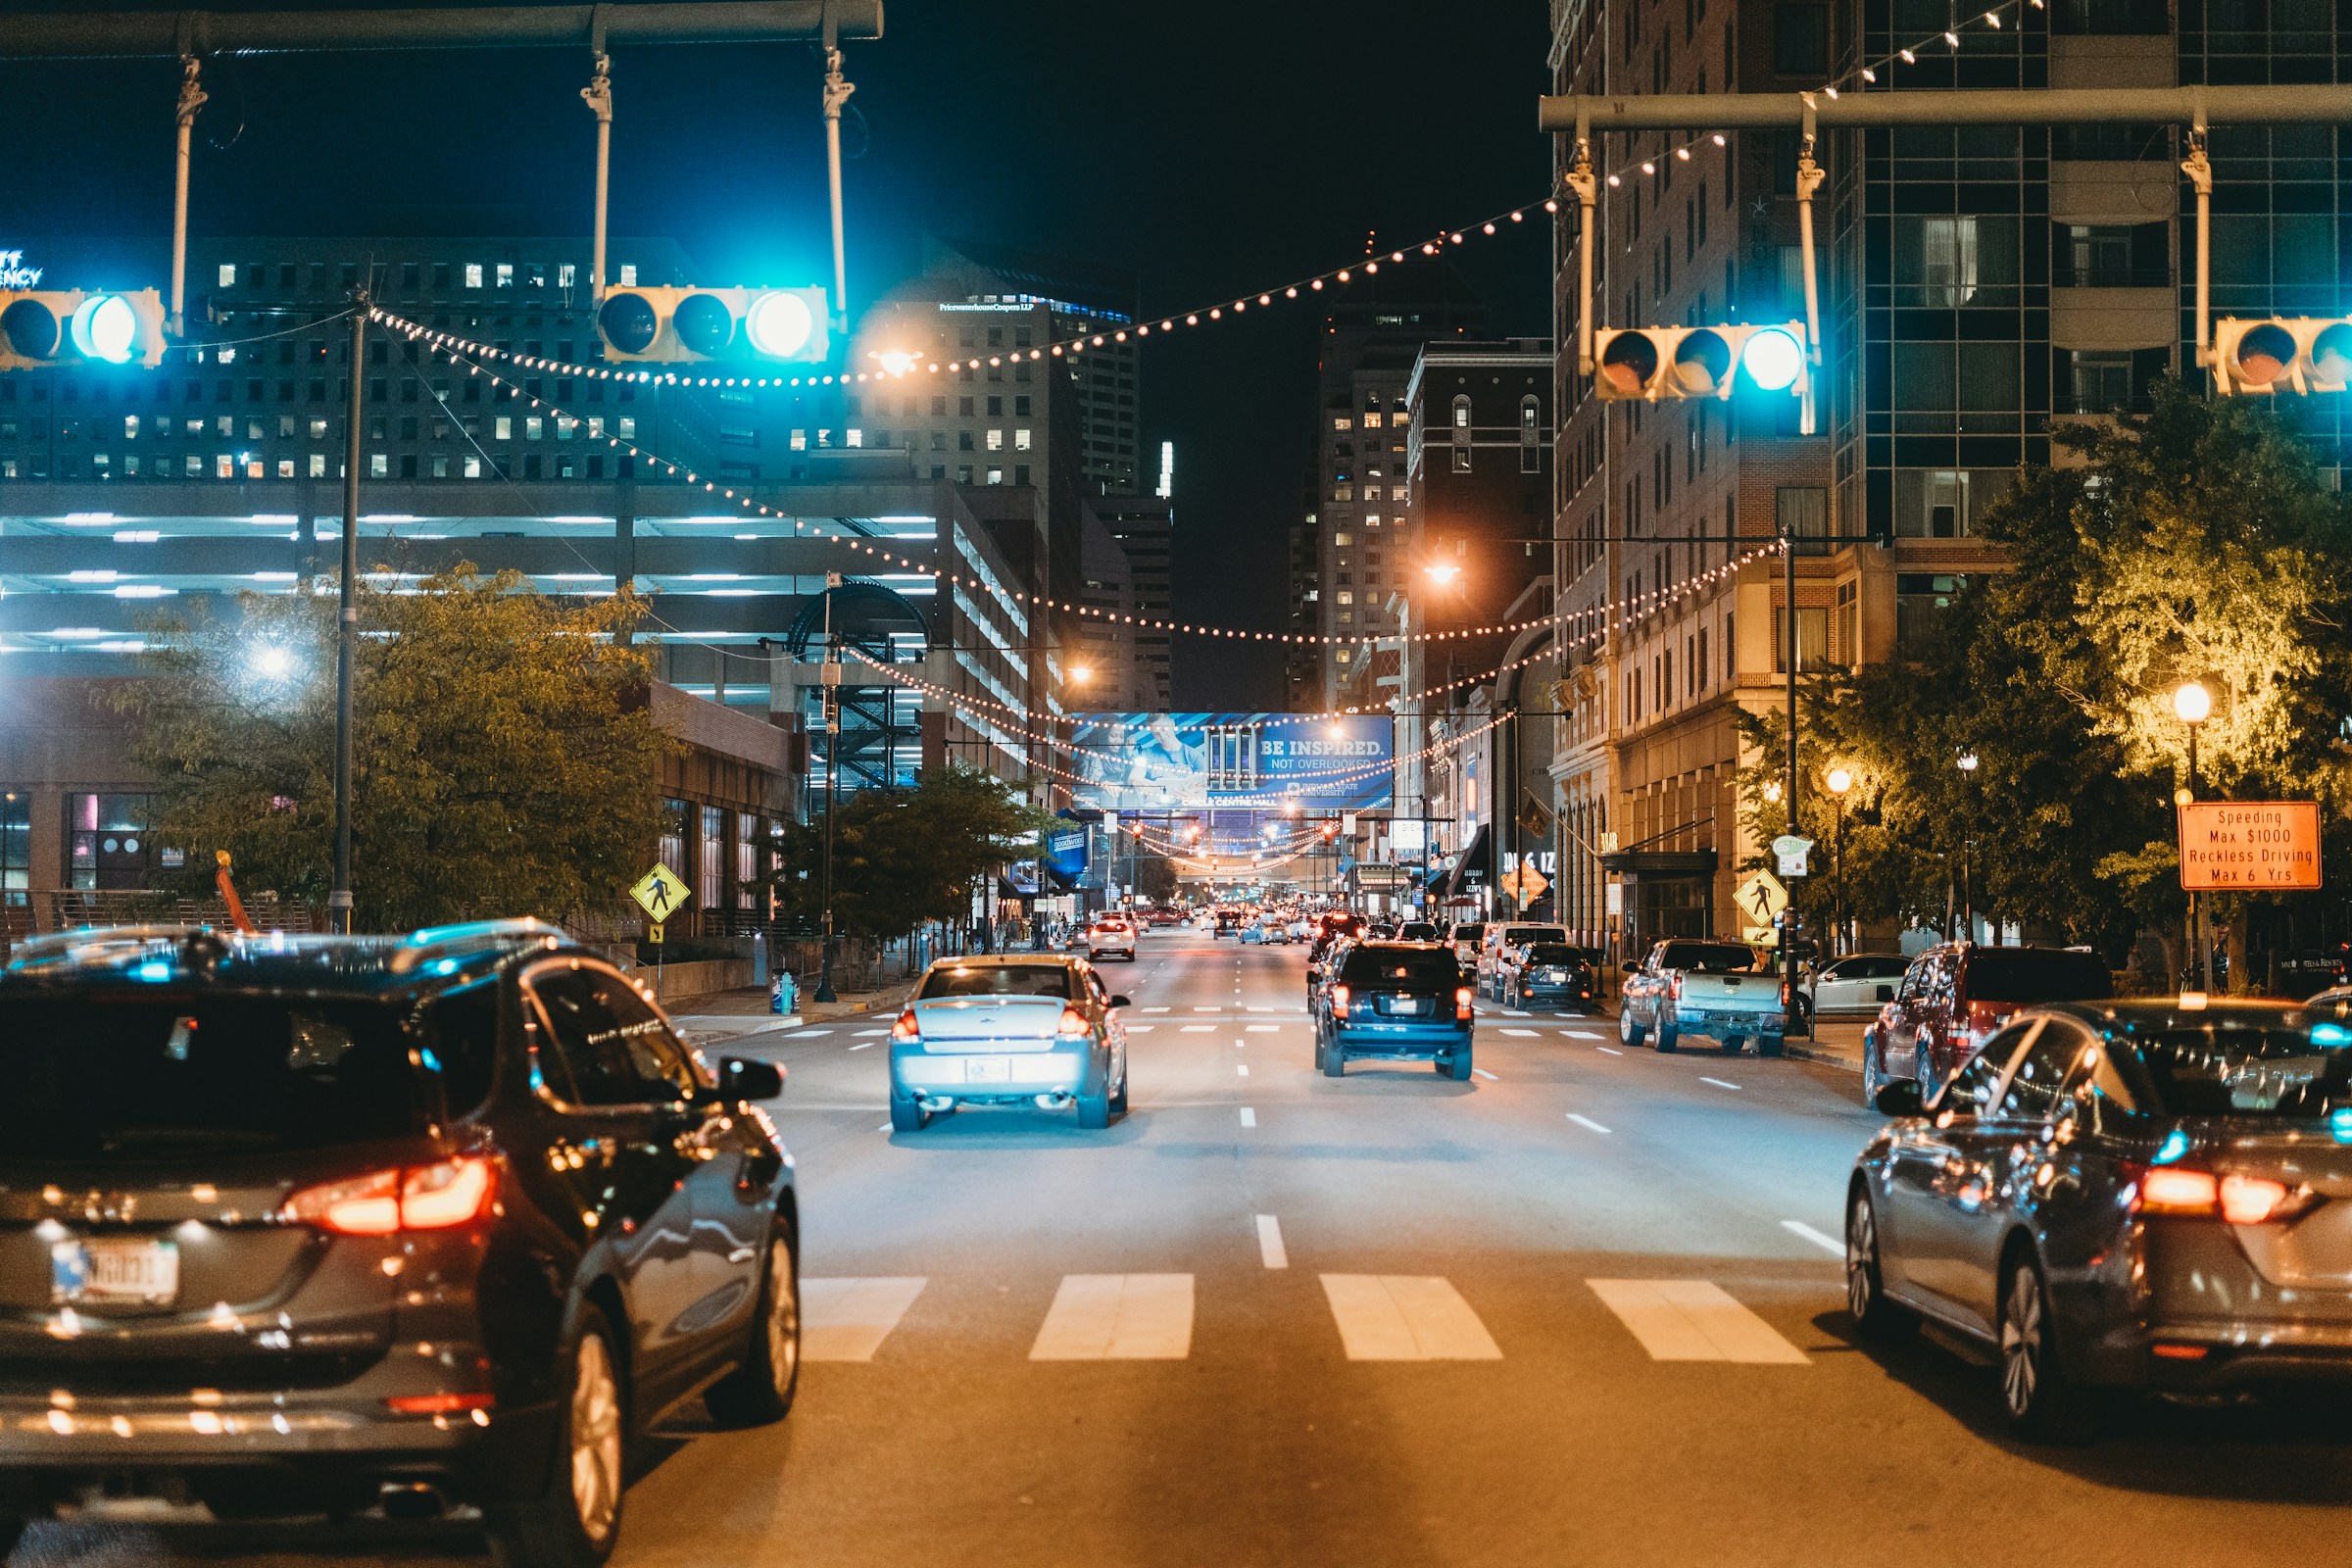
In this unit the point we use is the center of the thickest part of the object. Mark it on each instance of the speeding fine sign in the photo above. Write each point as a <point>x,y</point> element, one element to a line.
<point>2249,846</point>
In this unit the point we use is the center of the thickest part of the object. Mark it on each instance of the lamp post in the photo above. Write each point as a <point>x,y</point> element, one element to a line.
<point>1966,762</point>
<point>1839,781</point>
<point>831,690</point>
<point>2193,705</point>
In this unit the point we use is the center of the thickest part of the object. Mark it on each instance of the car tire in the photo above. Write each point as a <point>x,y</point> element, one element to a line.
<point>2041,1399</point>
<point>1873,1072</point>
<point>12,1531</point>
<point>1335,1061</point>
<point>907,1116</point>
<point>1093,1112</point>
<point>1118,1102</point>
<point>759,1392</point>
<point>1771,1045</point>
<point>1628,1032</point>
<point>1668,1036</point>
<point>1875,1316</point>
<point>1456,1066</point>
<point>575,1521</point>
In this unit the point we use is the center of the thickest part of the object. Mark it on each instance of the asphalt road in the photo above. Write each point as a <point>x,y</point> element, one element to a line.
<point>1582,1308</point>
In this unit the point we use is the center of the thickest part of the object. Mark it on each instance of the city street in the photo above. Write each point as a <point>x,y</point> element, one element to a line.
<point>1584,1307</point>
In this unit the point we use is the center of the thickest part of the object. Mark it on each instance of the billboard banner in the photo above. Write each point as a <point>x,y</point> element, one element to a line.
<point>1192,761</point>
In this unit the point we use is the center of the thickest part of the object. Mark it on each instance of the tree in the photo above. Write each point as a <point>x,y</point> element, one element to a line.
<point>506,761</point>
<point>906,854</point>
<point>1155,878</point>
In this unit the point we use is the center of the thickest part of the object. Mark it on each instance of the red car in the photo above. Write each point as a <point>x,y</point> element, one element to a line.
<point>1956,995</point>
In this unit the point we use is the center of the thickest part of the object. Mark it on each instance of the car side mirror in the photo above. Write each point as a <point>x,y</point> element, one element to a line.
<point>1121,1002</point>
<point>1900,1098</point>
<point>741,1078</point>
<point>1885,993</point>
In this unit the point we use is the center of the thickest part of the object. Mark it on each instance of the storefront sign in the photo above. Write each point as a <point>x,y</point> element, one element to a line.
<point>13,274</point>
<point>2249,846</point>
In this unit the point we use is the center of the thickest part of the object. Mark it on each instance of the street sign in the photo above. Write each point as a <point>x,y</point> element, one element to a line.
<point>653,933</point>
<point>1761,936</point>
<point>1790,851</point>
<point>1761,897</point>
<point>661,894</point>
<point>2241,846</point>
<point>1525,882</point>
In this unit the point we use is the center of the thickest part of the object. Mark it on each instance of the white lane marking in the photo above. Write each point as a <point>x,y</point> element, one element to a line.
<point>867,1046</point>
<point>1406,1317</point>
<point>802,1034</point>
<point>1610,1049</point>
<point>1196,1029</point>
<point>1828,1244</point>
<point>1514,1012</point>
<point>1583,1034</point>
<point>1529,1033</point>
<point>848,1319</point>
<point>1141,1028</point>
<point>1488,1076</point>
<point>1587,1121</point>
<point>1261,1028</point>
<point>885,1127</point>
<point>1694,1320</point>
<point>1209,1010</point>
<point>1258,1010</point>
<point>1119,1317</point>
<point>1718,1083</point>
<point>1241,1069</point>
<point>1270,1242</point>
<point>1249,1117</point>
<point>1156,1010</point>
<point>863,1033</point>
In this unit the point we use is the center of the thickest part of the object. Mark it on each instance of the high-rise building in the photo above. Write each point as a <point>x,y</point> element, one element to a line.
<point>1143,527</point>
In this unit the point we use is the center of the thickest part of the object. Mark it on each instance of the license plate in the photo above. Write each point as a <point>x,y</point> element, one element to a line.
<point>988,1070</point>
<point>1409,1005</point>
<point>114,1271</point>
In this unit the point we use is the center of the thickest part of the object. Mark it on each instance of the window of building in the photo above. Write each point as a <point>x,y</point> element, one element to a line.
<point>16,848</point>
<point>1920,599</point>
<point>473,275</point>
<point>1802,512</point>
<point>506,274</point>
<point>1800,39</point>
<point>379,466</point>
<point>1531,436</point>
<point>2101,380</point>
<point>107,843</point>
<point>1944,263</point>
<point>229,274</point>
<point>1849,651</point>
<point>1812,639</point>
<point>995,440</point>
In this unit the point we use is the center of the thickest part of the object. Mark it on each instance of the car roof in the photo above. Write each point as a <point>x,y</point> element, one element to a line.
<point>2170,1012</point>
<point>1002,961</point>
<point>388,968</point>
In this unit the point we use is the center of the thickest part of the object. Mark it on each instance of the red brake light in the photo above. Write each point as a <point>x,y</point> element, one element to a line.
<point>906,1028</point>
<point>1073,1023</point>
<point>1674,988</point>
<point>2170,1190</point>
<point>1338,1001</point>
<point>440,1404</point>
<point>1461,1001</point>
<point>422,1198</point>
<point>2251,1199</point>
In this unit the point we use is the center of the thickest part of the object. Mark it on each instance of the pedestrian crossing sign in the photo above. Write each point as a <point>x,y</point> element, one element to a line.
<point>659,893</point>
<point>1761,897</point>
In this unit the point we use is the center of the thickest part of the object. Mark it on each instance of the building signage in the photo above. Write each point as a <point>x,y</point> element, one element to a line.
<point>2249,846</point>
<point>1179,761</point>
<point>13,274</point>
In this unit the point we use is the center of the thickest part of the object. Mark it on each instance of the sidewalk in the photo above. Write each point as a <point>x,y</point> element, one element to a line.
<point>727,1013</point>
<point>1836,1043</point>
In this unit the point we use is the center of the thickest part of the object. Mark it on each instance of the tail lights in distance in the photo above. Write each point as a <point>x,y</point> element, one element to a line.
<point>417,1198</point>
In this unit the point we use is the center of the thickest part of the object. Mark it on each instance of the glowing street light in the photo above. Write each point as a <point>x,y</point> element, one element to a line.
<point>273,662</point>
<point>894,362</point>
<point>2193,705</point>
<point>1442,572</point>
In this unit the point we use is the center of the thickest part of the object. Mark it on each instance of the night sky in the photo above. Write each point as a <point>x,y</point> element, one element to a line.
<point>1217,150</point>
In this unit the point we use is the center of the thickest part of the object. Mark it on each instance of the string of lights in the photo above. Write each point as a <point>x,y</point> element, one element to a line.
<point>1867,72</point>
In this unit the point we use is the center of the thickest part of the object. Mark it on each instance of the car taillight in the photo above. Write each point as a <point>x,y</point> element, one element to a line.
<point>421,1197</point>
<point>1073,1024</point>
<point>1338,1001</point>
<point>1461,1001</point>
<point>1785,993</point>
<point>2240,1200</point>
<point>1674,988</point>
<point>906,1028</point>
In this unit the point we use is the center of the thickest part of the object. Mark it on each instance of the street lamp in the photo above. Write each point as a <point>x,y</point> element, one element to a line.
<point>1966,762</point>
<point>2193,705</point>
<point>1839,781</point>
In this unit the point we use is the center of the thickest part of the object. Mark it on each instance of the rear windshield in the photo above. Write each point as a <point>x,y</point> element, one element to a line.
<point>2035,974</point>
<point>1532,933</point>
<point>1708,957</point>
<point>1871,968</point>
<point>1417,931</point>
<point>1469,933</point>
<point>162,1078</point>
<point>2222,1071</point>
<point>1554,953</point>
<point>1407,966</point>
<point>998,980</point>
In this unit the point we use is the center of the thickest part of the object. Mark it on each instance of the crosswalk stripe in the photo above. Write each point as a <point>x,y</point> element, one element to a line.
<point>1141,1028</point>
<point>1406,1317</point>
<point>1198,1029</point>
<point>1119,1317</point>
<point>1241,1070</point>
<point>1514,1012</point>
<point>848,1319</point>
<point>1587,1121</point>
<point>1694,1320</point>
<point>1249,1117</point>
<point>803,1034</point>
<point>1483,1073</point>
<point>1529,1033</point>
<point>1261,1028</point>
<point>1270,1242</point>
<point>1583,1034</point>
<point>864,1034</point>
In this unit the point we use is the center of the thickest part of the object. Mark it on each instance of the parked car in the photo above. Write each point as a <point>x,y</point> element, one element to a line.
<point>1719,990</point>
<point>1551,972</point>
<point>1464,938</point>
<point>275,1170</point>
<point>1953,998</point>
<point>1395,1002</point>
<point>1513,939</point>
<point>2135,1195</point>
<point>1011,1029</point>
<point>1417,931</point>
<point>1857,985</point>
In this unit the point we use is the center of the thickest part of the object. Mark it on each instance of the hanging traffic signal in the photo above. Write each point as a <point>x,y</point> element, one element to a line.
<point>2303,353</point>
<point>1655,363</point>
<point>42,327</point>
<point>691,325</point>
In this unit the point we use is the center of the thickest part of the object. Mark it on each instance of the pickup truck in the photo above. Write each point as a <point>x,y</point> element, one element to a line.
<point>1717,991</point>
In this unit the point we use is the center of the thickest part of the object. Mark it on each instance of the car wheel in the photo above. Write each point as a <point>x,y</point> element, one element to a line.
<point>1118,1102</point>
<point>12,1531</point>
<point>1875,1316</point>
<point>575,1523</point>
<point>1668,1036</point>
<point>1771,1045</point>
<point>760,1390</point>
<point>907,1116</point>
<point>1093,1112</point>
<point>1874,1076</point>
<point>1628,1032</point>
<point>1335,1061</point>
<point>2042,1401</point>
<point>1456,1066</point>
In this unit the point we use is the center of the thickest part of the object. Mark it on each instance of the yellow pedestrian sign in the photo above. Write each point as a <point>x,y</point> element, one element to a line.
<point>661,893</point>
<point>1761,897</point>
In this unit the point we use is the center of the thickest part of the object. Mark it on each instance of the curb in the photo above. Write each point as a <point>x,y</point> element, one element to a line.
<point>1826,1058</point>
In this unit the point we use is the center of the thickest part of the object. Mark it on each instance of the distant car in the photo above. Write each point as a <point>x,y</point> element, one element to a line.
<point>1692,988</point>
<point>304,1225</point>
<point>1112,933</point>
<point>1956,995</point>
<point>2126,1195</point>
<point>1855,986</point>
<point>1501,939</point>
<point>1395,1002</point>
<point>1417,931</point>
<point>1551,972</point>
<point>1010,1029</point>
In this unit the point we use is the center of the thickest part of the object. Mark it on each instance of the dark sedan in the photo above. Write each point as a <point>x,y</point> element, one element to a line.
<point>1395,1002</point>
<point>1551,971</point>
<point>2140,1195</point>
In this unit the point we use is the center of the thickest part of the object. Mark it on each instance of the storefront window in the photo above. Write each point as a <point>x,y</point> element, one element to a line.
<point>712,886</point>
<point>16,848</point>
<point>107,844</point>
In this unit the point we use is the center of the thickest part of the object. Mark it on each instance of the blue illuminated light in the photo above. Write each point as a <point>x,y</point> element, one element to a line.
<point>432,1064</point>
<point>446,966</point>
<point>2174,1145</point>
<point>2331,1034</point>
<point>1772,359</point>
<point>2340,1123</point>
<point>154,970</point>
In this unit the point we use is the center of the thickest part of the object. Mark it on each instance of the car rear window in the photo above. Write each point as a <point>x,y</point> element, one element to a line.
<point>2221,1070</point>
<point>996,980</point>
<point>1534,933</point>
<point>93,1078</point>
<point>2035,974</point>
<point>1554,953</point>
<point>1470,931</point>
<point>1709,957</point>
<point>1405,967</point>
<point>1868,967</point>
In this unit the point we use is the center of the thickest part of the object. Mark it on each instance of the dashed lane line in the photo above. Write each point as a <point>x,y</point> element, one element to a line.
<point>1270,1242</point>
<point>1587,1122</point>
<point>1527,1033</point>
<point>1488,1076</point>
<point>1828,1244</point>
<point>867,1045</point>
<point>1583,1034</point>
<point>1610,1049</point>
<point>1248,1116</point>
<point>1241,1069</point>
<point>1261,1028</point>
<point>1719,1083</point>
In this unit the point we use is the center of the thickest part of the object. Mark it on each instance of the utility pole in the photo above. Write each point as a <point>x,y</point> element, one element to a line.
<point>346,623</point>
<point>832,700</point>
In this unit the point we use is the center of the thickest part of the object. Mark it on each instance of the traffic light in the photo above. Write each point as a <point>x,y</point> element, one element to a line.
<point>692,325</point>
<point>1651,363</point>
<point>41,327</point>
<point>2305,353</point>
